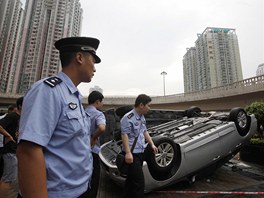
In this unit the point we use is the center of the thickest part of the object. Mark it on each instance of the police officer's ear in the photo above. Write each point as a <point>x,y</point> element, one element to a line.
<point>79,57</point>
<point>141,105</point>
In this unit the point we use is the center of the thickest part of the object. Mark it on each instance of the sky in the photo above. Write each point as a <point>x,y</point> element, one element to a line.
<point>139,39</point>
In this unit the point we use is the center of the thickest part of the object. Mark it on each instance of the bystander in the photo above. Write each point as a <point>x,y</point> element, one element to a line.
<point>9,127</point>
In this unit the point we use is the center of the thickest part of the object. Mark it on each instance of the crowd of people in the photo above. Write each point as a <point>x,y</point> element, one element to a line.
<point>50,147</point>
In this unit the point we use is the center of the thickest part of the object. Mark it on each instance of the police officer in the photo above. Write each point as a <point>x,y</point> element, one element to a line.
<point>133,124</point>
<point>95,101</point>
<point>54,153</point>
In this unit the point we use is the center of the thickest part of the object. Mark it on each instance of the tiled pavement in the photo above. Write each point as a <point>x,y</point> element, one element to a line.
<point>227,178</point>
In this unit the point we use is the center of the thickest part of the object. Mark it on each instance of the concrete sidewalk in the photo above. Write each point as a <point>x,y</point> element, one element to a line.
<point>234,176</point>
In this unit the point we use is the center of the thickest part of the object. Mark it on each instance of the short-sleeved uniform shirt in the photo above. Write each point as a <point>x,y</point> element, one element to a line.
<point>11,124</point>
<point>97,118</point>
<point>54,118</point>
<point>133,125</point>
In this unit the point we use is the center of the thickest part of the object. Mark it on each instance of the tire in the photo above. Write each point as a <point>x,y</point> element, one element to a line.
<point>193,112</point>
<point>121,111</point>
<point>241,120</point>
<point>166,157</point>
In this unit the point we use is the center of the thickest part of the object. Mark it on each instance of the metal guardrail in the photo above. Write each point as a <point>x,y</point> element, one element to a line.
<point>249,85</point>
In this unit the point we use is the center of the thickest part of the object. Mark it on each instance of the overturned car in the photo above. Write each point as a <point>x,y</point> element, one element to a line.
<point>189,142</point>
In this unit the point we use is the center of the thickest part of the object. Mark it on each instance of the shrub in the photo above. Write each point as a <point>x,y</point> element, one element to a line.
<point>257,141</point>
<point>257,108</point>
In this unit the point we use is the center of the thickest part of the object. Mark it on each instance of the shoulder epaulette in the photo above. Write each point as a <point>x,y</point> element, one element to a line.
<point>130,115</point>
<point>53,81</point>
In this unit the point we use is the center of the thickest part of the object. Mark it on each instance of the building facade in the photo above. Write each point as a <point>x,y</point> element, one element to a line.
<point>46,22</point>
<point>217,60</point>
<point>190,70</point>
<point>11,21</point>
<point>260,70</point>
<point>96,88</point>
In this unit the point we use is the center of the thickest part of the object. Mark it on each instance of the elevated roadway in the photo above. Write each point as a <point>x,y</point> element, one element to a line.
<point>241,93</point>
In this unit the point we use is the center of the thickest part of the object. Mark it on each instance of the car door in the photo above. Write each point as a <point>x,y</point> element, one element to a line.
<point>201,151</point>
<point>229,138</point>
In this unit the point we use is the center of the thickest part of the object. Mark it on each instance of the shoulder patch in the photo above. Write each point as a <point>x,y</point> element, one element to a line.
<point>130,115</point>
<point>53,81</point>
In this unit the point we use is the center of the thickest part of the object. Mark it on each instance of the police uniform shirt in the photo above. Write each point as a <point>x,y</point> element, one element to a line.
<point>133,125</point>
<point>54,118</point>
<point>97,118</point>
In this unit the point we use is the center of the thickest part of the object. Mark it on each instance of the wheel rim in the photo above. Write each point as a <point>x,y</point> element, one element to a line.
<point>165,154</point>
<point>242,119</point>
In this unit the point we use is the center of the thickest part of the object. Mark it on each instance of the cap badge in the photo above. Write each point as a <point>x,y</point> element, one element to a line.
<point>72,106</point>
<point>87,48</point>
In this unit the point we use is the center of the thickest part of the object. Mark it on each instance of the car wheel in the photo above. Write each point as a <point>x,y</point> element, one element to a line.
<point>193,112</point>
<point>241,120</point>
<point>165,159</point>
<point>121,111</point>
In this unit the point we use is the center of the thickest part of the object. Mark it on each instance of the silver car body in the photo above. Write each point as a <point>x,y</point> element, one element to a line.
<point>201,142</point>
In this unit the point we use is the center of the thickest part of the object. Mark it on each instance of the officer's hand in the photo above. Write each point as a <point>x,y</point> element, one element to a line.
<point>155,149</point>
<point>93,141</point>
<point>129,158</point>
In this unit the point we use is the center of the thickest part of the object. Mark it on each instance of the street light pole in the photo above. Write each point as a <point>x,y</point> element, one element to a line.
<point>163,74</point>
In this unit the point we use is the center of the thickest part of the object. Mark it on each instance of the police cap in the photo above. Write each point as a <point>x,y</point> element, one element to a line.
<point>79,44</point>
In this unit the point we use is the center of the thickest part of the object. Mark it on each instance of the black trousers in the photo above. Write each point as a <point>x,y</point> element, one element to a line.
<point>84,195</point>
<point>1,164</point>
<point>135,182</point>
<point>92,193</point>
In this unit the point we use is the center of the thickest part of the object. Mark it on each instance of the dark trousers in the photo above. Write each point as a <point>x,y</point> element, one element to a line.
<point>1,164</point>
<point>135,183</point>
<point>95,177</point>
<point>84,195</point>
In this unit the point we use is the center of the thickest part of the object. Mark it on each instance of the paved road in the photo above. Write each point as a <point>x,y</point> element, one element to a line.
<point>236,176</point>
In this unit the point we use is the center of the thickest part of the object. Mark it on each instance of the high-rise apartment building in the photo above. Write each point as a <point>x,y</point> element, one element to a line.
<point>260,70</point>
<point>217,60</point>
<point>190,70</point>
<point>45,22</point>
<point>95,88</point>
<point>11,18</point>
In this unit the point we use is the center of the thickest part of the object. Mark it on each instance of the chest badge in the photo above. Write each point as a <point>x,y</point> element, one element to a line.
<point>136,123</point>
<point>72,105</point>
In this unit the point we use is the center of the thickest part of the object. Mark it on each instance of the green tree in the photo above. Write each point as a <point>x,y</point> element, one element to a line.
<point>257,108</point>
